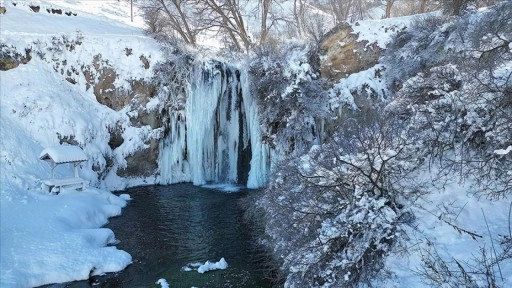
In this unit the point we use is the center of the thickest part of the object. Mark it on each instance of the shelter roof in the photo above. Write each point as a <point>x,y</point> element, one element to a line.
<point>63,154</point>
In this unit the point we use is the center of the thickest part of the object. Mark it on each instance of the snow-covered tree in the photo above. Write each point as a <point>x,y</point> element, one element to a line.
<point>334,212</point>
<point>461,106</point>
<point>292,99</point>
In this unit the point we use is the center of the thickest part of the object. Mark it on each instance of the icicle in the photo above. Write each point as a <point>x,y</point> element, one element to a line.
<point>173,161</point>
<point>211,139</point>
<point>200,110</point>
<point>261,154</point>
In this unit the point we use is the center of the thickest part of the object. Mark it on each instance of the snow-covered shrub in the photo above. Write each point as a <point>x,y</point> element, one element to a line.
<point>417,48</point>
<point>291,97</point>
<point>483,270</point>
<point>172,77</point>
<point>10,58</point>
<point>462,110</point>
<point>334,212</point>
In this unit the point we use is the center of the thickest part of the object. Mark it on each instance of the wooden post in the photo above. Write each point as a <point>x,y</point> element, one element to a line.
<point>52,166</point>
<point>131,9</point>
<point>76,169</point>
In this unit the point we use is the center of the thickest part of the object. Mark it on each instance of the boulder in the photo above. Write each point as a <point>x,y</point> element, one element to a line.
<point>341,54</point>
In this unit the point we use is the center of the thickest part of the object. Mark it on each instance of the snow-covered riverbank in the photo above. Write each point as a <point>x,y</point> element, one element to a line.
<point>57,238</point>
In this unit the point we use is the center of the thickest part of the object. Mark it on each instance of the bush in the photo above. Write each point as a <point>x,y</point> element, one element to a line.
<point>333,213</point>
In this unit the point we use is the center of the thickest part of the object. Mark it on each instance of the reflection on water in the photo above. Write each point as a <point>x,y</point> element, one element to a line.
<point>166,228</point>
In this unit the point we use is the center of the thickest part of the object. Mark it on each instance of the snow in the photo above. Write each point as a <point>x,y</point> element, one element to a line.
<point>503,151</point>
<point>49,239</point>
<point>205,267</point>
<point>470,213</point>
<point>341,93</point>
<point>381,31</point>
<point>191,266</point>
<point>58,238</point>
<point>63,154</point>
<point>125,197</point>
<point>163,283</point>
<point>209,266</point>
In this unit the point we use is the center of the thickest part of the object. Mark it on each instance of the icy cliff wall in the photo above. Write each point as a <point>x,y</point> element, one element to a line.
<point>216,136</point>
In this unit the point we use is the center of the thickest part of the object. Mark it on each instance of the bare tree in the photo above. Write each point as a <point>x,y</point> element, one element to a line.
<point>226,17</point>
<point>348,10</point>
<point>265,10</point>
<point>389,5</point>
<point>298,15</point>
<point>423,5</point>
<point>340,9</point>
<point>170,17</point>
<point>483,270</point>
<point>186,19</point>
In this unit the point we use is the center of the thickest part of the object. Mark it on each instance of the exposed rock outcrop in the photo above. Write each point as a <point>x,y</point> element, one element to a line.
<point>142,163</point>
<point>341,54</point>
<point>10,58</point>
<point>101,76</point>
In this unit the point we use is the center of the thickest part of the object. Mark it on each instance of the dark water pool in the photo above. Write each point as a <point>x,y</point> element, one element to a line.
<point>165,228</point>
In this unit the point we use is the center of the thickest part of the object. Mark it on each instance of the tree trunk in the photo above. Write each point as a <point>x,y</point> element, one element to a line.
<point>423,5</point>
<point>389,4</point>
<point>265,7</point>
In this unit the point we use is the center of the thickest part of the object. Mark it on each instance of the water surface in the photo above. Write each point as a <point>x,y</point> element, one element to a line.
<point>166,228</point>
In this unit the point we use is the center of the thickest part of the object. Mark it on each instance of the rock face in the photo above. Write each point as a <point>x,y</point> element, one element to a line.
<point>341,54</point>
<point>10,59</point>
<point>142,163</point>
<point>101,76</point>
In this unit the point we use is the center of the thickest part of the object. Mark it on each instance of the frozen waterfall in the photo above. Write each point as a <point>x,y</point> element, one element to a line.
<point>216,137</point>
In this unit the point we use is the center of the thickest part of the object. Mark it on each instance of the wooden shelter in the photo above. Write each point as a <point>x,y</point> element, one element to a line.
<point>63,154</point>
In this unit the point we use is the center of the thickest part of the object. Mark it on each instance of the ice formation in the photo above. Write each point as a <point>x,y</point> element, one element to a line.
<point>216,138</point>
<point>209,266</point>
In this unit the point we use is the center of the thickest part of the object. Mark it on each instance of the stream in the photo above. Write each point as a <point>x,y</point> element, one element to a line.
<point>167,229</point>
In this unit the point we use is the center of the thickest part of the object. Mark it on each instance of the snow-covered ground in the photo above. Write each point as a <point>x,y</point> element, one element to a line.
<point>441,219</point>
<point>58,238</point>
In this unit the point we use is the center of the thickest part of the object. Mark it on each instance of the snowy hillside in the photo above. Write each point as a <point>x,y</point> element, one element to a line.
<point>413,187</point>
<point>82,49</point>
<point>45,238</point>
